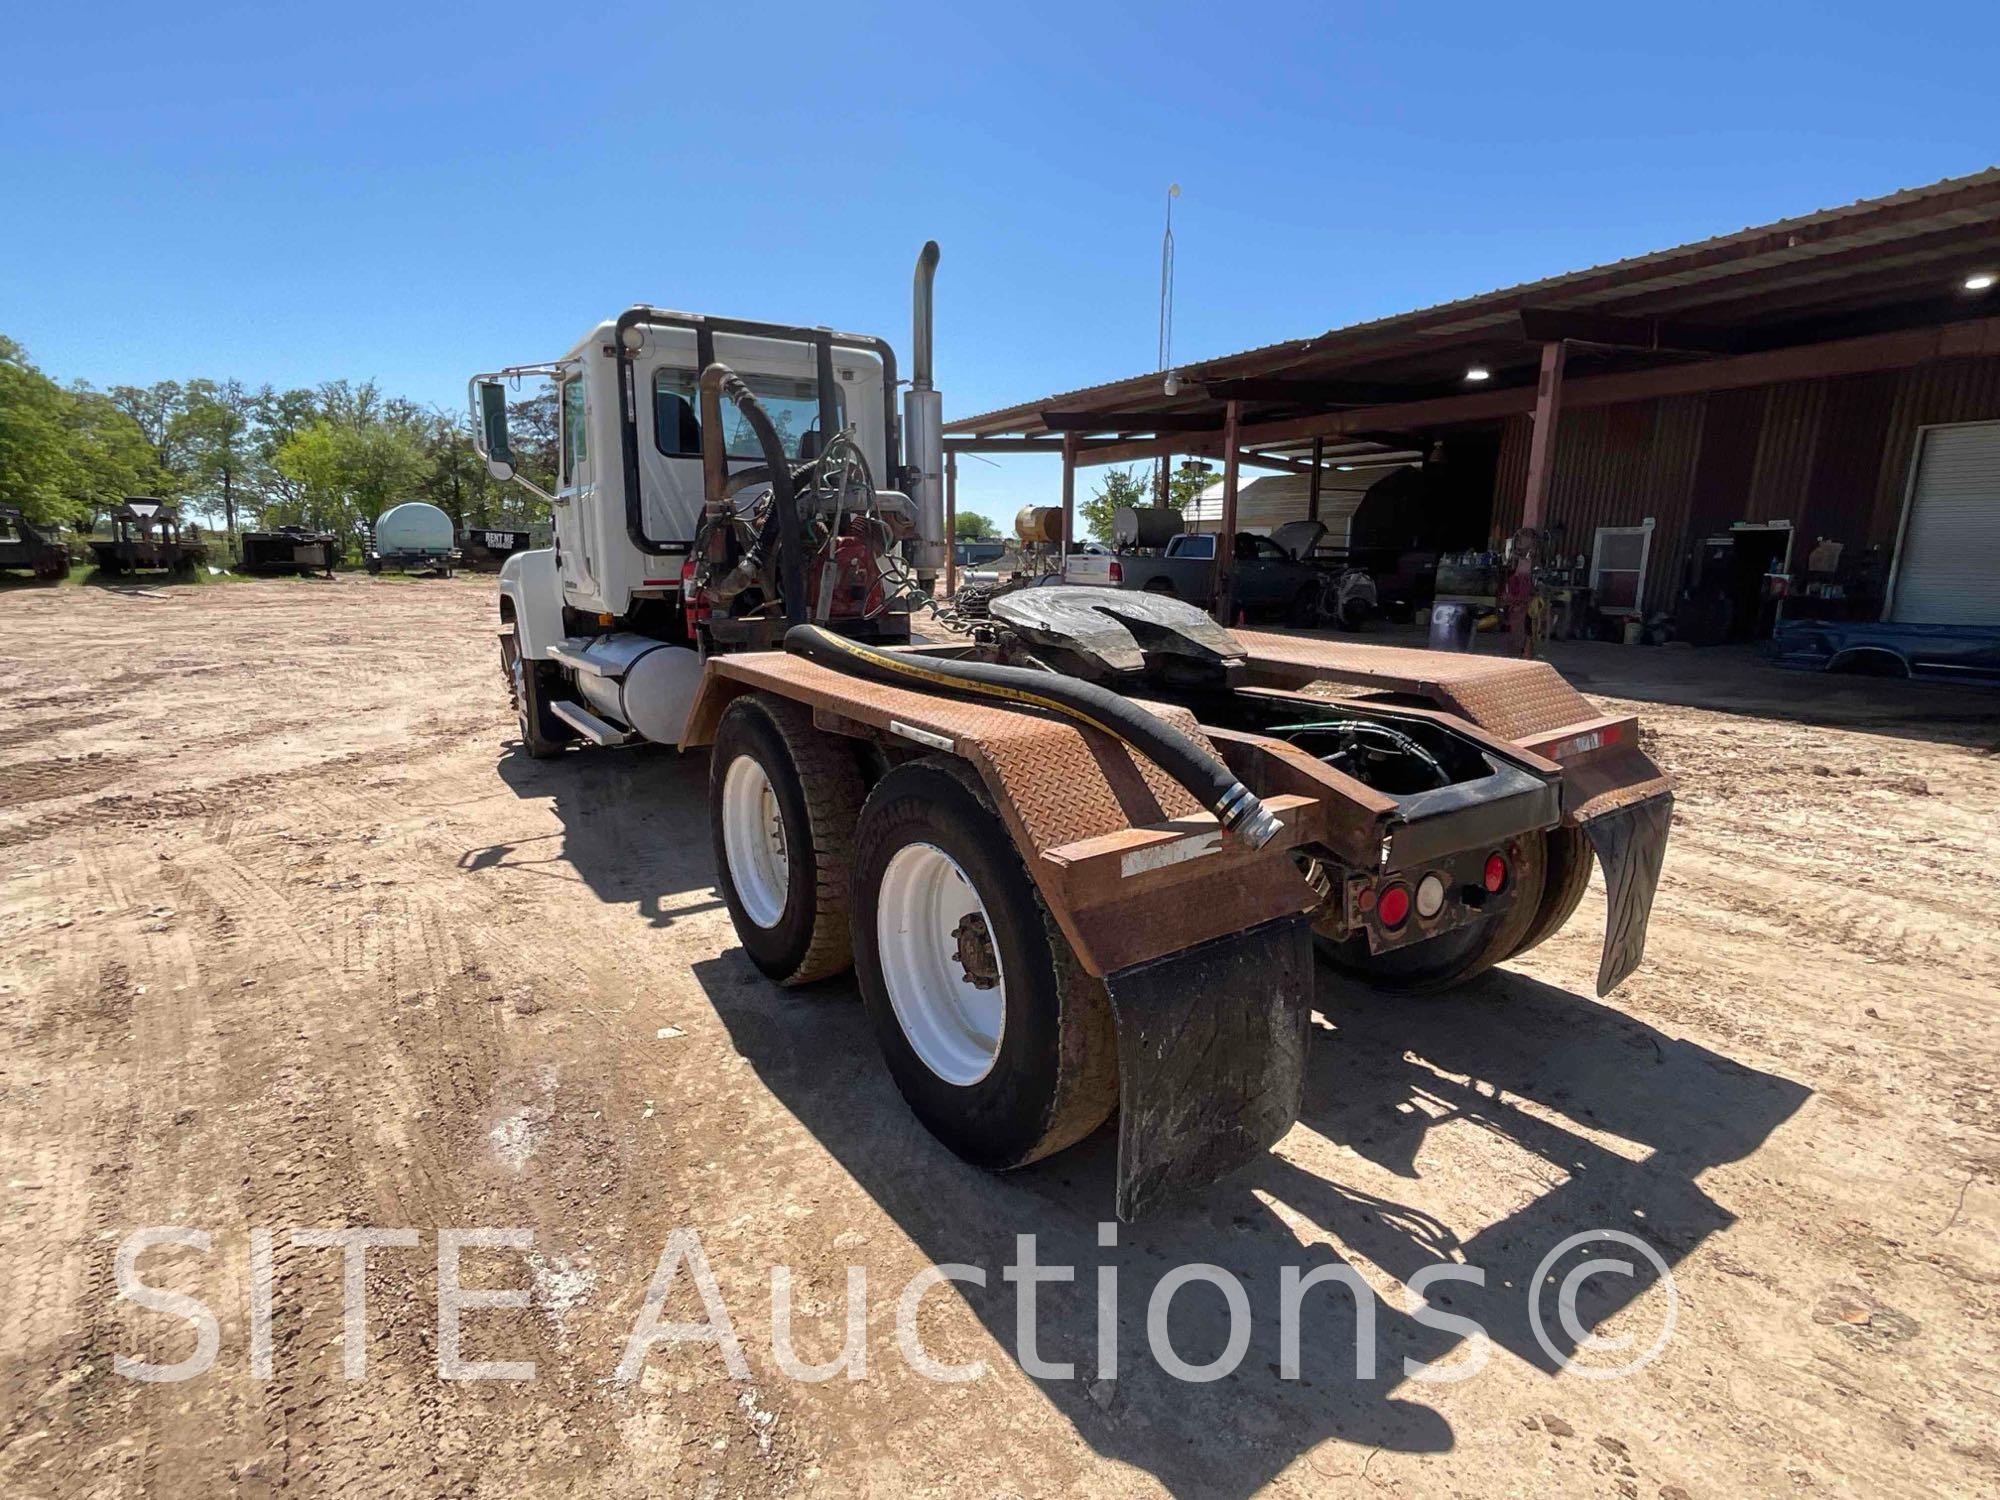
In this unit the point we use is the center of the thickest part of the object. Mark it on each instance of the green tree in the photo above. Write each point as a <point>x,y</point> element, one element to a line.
<point>214,434</point>
<point>971,526</point>
<point>1117,489</point>
<point>157,410</point>
<point>533,429</point>
<point>1187,481</point>
<point>310,492</point>
<point>38,467</point>
<point>113,456</point>
<point>67,453</point>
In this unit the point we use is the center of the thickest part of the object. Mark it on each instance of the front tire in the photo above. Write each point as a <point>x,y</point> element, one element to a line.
<point>543,735</point>
<point>997,1038</point>
<point>783,800</point>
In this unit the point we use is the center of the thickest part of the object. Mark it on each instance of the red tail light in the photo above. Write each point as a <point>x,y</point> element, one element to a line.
<point>1496,873</point>
<point>1117,572</point>
<point>1393,905</point>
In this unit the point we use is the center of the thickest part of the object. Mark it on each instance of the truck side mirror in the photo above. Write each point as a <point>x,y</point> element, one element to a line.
<point>493,426</point>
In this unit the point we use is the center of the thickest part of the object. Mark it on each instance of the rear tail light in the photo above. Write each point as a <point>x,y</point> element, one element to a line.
<point>1117,571</point>
<point>1496,873</point>
<point>1393,906</point>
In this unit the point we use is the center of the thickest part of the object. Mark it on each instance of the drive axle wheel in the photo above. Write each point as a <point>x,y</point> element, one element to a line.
<point>783,799</point>
<point>1568,876</point>
<point>543,735</point>
<point>999,1041</point>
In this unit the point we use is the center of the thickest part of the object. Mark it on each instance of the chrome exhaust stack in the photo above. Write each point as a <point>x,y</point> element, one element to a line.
<point>923,426</point>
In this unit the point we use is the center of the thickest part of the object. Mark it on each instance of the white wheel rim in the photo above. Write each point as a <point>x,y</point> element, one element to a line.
<point>951,1023</point>
<point>753,838</point>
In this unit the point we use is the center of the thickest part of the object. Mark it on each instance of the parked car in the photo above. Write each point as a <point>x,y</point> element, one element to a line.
<point>1949,653</point>
<point>1267,577</point>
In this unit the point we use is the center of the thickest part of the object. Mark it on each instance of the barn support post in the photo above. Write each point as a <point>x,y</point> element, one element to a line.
<point>1519,592</point>
<point>1542,447</point>
<point>1312,489</point>
<point>1225,541</point>
<point>1069,446</point>
<point>950,524</point>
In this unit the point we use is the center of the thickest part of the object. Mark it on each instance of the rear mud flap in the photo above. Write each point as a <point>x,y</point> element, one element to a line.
<point>1211,1058</point>
<point>1630,842</point>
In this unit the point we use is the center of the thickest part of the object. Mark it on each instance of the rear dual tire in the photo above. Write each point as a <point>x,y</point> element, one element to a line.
<point>996,1037</point>
<point>783,800</point>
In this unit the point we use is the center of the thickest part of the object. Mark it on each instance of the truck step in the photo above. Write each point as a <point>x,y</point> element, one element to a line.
<point>573,656</point>
<point>587,724</point>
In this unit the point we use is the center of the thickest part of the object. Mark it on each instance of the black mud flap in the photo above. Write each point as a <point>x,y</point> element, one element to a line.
<point>1211,1058</point>
<point>1630,843</point>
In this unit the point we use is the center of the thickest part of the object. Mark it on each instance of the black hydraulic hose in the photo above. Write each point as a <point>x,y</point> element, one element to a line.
<point>1207,779</point>
<point>718,378</point>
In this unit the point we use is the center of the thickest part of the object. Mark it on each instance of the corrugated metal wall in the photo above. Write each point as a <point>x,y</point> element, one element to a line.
<point>1954,390</point>
<point>1830,456</point>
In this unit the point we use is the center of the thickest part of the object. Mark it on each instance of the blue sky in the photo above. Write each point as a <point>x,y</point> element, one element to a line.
<point>407,193</point>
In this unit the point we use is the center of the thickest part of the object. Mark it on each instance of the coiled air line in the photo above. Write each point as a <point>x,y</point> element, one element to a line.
<point>1207,779</point>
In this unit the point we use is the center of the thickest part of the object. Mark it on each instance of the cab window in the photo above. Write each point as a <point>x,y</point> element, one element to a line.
<point>793,403</point>
<point>676,428</point>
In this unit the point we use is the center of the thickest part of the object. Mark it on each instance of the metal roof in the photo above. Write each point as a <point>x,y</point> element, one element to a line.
<point>1876,264</point>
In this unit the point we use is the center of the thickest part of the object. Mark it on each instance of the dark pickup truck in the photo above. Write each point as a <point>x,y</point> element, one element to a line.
<point>1268,578</point>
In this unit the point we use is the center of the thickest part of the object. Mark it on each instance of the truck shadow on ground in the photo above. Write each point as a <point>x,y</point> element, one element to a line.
<point>1605,1123</point>
<point>1594,1120</point>
<point>634,828</point>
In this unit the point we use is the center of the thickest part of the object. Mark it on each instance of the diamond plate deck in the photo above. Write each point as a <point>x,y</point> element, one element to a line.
<point>1510,698</point>
<point>1060,781</point>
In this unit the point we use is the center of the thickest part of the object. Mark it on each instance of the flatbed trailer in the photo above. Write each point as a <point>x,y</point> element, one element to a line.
<point>289,549</point>
<point>25,545</point>
<point>146,534</point>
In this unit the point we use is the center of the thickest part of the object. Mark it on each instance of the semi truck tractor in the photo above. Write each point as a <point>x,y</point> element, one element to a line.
<point>1087,859</point>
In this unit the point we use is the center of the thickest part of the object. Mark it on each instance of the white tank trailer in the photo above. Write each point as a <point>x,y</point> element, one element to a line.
<point>414,537</point>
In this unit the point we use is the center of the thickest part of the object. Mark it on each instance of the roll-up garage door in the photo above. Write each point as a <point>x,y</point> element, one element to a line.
<point>1948,570</point>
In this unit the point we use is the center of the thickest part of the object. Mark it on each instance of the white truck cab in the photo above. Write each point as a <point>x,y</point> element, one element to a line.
<point>629,484</point>
<point>630,487</point>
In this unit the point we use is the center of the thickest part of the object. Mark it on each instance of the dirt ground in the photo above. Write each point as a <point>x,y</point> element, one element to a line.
<point>290,935</point>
